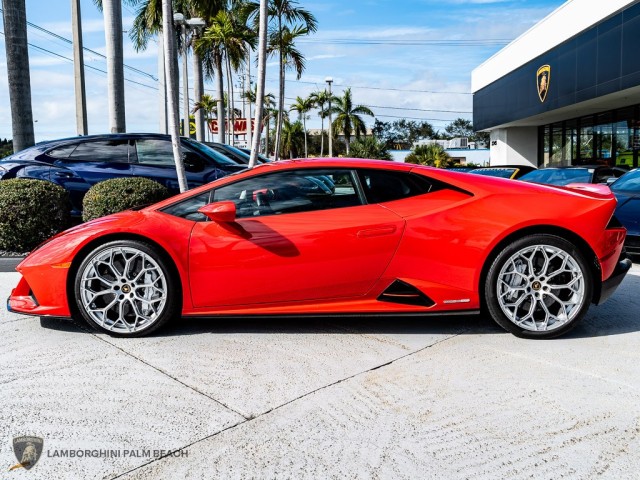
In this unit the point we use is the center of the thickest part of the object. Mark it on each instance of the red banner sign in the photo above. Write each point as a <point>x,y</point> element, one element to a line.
<point>239,126</point>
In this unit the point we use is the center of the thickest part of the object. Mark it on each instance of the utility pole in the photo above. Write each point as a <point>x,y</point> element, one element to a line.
<point>15,31</point>
<point>78,69</point>
<point>171,68</point>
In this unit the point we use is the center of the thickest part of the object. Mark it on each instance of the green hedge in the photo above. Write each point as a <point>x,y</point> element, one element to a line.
<point>30,212</point>
<point>119,194</point>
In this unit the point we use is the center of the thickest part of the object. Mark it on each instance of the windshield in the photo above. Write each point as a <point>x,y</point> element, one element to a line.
<point>629,182</point>
<point>559,176</point>
<point>209,152</point>
<point>495,172</point>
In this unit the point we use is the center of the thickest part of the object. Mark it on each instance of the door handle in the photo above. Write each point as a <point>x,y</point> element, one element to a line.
<point>64,174</point>
<point>377,231</point>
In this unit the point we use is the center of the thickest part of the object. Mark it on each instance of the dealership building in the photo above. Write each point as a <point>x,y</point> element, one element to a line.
<point>567,91</point>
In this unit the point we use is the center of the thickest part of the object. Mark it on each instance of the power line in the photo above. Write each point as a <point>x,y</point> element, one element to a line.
<point>86,66</point>
<point>69,41</point>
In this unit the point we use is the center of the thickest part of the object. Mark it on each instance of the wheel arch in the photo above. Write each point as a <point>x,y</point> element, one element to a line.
<point>577,240</point>
<point>84,251</point>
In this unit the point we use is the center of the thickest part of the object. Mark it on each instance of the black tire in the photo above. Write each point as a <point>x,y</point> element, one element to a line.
<point>133,294</point>
<point>520,300</point>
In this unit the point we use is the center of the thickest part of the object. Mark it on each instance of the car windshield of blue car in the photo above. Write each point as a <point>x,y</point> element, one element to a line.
<point>494,172</point>
<point>630,182</point>
<point>559,176</point>
<point>209,152</point>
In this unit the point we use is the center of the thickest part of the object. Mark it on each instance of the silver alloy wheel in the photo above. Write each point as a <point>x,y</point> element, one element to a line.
<point>541,288</point>
<point>123,289</point>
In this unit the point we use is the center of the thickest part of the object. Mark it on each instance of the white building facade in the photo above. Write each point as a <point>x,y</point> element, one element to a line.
<point>567,91</point>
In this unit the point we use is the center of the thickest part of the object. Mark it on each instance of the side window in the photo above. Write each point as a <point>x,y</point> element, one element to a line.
<point>384,185</point>
<point>63,151</point>
<point>155,152</point>
<point>113,151</point>
<point>301,190</point>
<point>189,208</point>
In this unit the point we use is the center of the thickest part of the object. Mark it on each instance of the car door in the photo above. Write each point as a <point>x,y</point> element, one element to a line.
<point>155,161</point>
<point>77,169</point>
<point>291,241</point>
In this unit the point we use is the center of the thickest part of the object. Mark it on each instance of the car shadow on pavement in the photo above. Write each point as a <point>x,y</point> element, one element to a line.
<point>618,316</point>
<point>473,324</point>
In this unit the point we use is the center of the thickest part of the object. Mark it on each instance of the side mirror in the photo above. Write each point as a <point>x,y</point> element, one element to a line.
<point>221,212</point>
<point>192,162</point>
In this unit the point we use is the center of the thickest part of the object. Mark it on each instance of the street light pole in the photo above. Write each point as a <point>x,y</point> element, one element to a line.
<point>185,83</point>
<point>329,81</point>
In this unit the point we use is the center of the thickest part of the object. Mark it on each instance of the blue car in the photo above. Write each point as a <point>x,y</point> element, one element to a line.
<point>78,163</point>
<point>627,191</point>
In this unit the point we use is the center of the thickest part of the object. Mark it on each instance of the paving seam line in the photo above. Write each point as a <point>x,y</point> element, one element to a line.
<point>247,420</point>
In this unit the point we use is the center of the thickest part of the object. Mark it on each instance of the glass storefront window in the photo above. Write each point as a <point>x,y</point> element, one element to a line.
<point>609,138</point>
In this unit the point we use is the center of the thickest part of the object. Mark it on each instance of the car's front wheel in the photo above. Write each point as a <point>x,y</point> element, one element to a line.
<point>125,287</point>
<point>540,286</point>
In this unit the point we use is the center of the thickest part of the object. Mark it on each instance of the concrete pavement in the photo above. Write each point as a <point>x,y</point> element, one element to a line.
<point>326,398</point>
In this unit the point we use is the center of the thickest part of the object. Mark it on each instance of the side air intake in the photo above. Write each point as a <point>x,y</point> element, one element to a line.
<point>402,292</point>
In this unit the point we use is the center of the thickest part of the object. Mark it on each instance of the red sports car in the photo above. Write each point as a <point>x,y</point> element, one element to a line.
<point>386,238</point>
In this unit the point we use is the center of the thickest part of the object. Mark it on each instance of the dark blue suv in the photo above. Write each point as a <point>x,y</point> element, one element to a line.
<point>78,163</point>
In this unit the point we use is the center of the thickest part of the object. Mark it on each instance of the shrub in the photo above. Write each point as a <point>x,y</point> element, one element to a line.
<point>30,212</point>
<point>119,194</point>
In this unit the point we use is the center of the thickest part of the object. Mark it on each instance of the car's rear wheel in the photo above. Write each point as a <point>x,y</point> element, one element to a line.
<point>125,287</point>
<point>540,286</point>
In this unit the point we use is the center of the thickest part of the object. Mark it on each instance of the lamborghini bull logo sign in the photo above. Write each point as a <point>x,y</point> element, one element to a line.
<point>27,450</point>
<point>542,80</point>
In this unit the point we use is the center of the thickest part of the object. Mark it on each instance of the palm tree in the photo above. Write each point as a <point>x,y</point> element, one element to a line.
<point>112,10</point>
<point>348,119</point>
<point>207,105</point>
<point>15,29</point>
<point>292,137</point>
<point>282,42</point>
<point>432,154</point>
<point>302,106</point>
<point>227,40</point>
<point>320,99</point>
<point>370,147</point>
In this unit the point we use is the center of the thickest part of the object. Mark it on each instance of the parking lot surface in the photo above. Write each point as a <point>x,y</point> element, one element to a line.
<point>325,398</point>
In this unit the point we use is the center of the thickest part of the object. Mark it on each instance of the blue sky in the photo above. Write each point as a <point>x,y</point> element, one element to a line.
<point>383,49</point>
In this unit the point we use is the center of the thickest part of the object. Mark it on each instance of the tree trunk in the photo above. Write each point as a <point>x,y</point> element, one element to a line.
<point>262,69</point>
<point>78,69</point>
<point>321,136</point>
<point>115,68</point>
<point>304,125</point>
<point>198,89</point>
<point>171,75</point>
<point>15,29</point>
<point>221,119</point>
<point>280,96</point>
